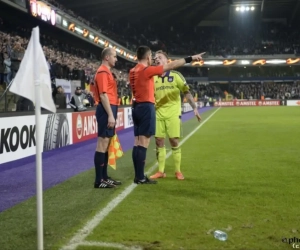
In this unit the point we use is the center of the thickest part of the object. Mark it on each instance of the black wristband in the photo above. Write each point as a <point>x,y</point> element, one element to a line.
<point>188,59</point>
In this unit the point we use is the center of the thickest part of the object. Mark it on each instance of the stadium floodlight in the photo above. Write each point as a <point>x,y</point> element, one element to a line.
<point>242,9</point>
<point>252,8</point>
<point>276,61</point>
<point>237,9</point>
<point>213,62</point>
<point>247,8</point>
<point>245,62</point>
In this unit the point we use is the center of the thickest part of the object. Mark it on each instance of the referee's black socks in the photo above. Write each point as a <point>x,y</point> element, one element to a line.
<point>134,158</point>
<point>104,169</point>
<point>99,161</point>
<point>140,162</point>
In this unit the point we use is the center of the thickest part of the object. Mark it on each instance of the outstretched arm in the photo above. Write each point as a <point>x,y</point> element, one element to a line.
<point>158,70</point>
<point>180,62</point>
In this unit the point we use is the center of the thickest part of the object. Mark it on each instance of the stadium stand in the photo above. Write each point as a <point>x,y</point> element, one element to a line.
<point>64,60</point>
<point>71,62</point>
<point>268,90</point>
<point>270,38</point>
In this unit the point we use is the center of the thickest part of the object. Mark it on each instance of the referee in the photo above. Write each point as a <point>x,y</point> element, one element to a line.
<point>106,114</point>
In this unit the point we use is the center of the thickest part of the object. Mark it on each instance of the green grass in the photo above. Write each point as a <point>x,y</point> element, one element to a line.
<point>242,176</point>
<point>67,206</point>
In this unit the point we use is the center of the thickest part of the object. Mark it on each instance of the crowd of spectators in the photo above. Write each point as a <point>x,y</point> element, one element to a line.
<point>67,61</point>
<point>201,90</point>
<point>268,38</point>
<point>273,90</point>
<point>64,61</point>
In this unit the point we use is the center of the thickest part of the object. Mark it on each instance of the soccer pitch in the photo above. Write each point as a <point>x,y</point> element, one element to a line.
<point>241,169</point>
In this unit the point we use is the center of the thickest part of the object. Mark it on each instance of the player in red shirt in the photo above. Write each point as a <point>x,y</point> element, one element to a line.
<point>143,113</point>
<point>106,113</point>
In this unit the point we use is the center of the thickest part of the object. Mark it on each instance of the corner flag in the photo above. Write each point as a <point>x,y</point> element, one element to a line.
<point>114,152</point>
<point>33,82</point>
<point>34,70</point>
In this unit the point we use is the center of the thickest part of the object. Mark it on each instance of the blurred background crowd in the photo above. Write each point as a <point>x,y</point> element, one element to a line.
<point>78,62</point>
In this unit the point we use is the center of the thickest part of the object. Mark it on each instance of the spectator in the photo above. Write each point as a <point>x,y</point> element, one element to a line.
<point>7,70</point>
<point>2,69</point>
<point>78,101</point>
<point>23,104</point>
<point>16,57</point>
<point>60,98</point>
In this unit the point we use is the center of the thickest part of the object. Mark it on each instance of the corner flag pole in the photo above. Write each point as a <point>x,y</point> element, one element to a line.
<point>39,177</point>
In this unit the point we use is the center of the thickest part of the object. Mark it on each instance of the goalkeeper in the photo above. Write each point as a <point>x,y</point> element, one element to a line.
<point>168,114</point>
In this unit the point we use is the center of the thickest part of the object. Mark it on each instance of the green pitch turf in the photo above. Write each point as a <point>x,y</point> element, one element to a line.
<point>68,206</point>
<point>242,177</point>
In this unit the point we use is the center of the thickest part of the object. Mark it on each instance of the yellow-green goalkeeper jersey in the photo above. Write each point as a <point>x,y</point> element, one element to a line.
<point>167,94</point>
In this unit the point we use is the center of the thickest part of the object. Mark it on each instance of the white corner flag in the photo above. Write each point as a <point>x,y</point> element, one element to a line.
<point>34,71</point>
<point>33,82</point>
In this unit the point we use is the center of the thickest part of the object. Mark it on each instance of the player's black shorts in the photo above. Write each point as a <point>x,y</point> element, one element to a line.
<point>143,115</point>
<point>102,120</point>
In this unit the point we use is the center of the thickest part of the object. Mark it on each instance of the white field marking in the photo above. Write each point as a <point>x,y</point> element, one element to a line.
<point>108,244</point>
<point>82,233</point>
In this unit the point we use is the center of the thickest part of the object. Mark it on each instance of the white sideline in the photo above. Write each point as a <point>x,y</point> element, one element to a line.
<point>109,244</point>
<point>79,237</point>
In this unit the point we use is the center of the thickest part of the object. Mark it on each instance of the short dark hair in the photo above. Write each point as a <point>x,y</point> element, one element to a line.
<point>142,52</point>
<point>105,52</point>
<point>162,52</point>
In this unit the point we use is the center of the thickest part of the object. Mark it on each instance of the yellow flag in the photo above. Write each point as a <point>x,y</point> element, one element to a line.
<point>114,152</point>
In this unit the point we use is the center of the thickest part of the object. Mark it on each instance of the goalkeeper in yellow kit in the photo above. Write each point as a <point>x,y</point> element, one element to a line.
<point>168,114</point>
